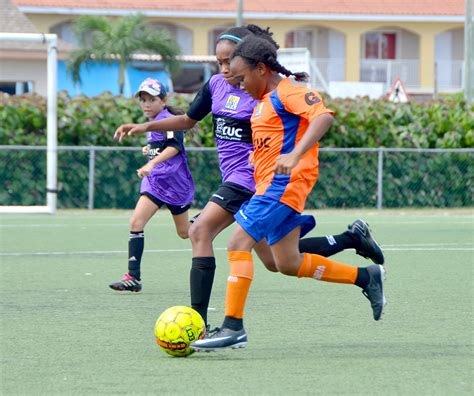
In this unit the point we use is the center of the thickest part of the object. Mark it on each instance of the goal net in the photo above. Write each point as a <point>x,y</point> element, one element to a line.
<point>52,140</point>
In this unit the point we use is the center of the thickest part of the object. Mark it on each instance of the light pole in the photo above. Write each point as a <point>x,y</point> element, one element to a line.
<point>468,43</point>
<point>240,13</point>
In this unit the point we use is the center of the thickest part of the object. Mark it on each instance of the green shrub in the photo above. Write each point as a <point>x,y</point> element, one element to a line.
<point>360,122</point>
<point>347,179</point>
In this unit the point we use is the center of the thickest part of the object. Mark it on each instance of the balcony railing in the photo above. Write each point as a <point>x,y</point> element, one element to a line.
<point>326,69</point>
<point>387,71</point>
<point>449,74</point>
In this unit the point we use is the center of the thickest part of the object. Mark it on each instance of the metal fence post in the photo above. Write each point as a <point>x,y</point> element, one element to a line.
<point>90,204</point>
<point>380,179</point>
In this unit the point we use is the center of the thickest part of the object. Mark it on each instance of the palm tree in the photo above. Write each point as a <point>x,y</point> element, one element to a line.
<point>103,39</point>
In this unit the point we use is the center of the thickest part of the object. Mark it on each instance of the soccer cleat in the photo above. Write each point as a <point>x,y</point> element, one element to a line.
<point>128,283</point>
<point>374,290</point>
<point>210,332</point>
<point>222,339</point>
<point>368,248</point>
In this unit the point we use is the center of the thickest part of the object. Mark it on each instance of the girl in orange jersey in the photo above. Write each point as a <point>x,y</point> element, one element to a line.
<point>287,125</point>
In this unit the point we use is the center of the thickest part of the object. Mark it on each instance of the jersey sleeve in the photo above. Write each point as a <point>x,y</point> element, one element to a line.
<point>304,102</point>
<point>174,139</point>
<point>201,106</point>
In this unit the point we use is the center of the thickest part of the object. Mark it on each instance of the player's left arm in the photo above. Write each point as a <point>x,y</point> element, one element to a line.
<point>316,130</point>
<point>173,146</point>
<point>166,154</point>
<point>307,104</point>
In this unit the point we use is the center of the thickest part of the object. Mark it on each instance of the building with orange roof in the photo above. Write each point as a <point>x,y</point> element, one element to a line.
<point>419,41</point>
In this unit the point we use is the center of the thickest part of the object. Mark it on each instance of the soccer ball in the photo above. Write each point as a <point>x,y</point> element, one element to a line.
<point>177,328</point>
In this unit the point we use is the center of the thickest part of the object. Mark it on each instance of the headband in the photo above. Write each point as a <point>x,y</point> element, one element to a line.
<point>231,37</point>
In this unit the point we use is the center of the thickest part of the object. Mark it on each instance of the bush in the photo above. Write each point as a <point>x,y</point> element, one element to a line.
<point>358,122</point>
<point>347,179</point>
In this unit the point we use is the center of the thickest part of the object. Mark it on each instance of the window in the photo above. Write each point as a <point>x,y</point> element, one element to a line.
<point>299,39</point>
<point>380,45</point>
<point>65,32</point>
<point>16,87</point>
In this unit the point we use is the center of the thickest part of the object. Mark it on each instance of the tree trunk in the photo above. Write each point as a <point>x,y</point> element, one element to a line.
<point>121,77</point>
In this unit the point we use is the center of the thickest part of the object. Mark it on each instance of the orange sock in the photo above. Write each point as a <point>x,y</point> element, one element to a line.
<point>321,268</point>
<point>238,283</point>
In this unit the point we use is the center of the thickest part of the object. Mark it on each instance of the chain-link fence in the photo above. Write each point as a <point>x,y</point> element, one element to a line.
<point>105,177</point>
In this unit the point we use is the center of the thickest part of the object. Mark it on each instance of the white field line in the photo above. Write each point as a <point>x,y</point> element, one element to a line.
<point>154,224</point>
<point>112,252</point>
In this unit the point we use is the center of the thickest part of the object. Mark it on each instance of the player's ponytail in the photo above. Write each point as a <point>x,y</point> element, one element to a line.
<point>255,50</point>
<point>263,33</point>
<point>175,110</point>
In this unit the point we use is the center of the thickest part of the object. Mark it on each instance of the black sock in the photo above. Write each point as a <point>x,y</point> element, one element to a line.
<point>201,280</point>
<point>233,323</point>
<point>363,278</point>
<point>328,245</point>
<point>136,244</point>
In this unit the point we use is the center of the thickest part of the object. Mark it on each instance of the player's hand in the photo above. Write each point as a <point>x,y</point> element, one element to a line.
<point>144,170</point>
<point>251,162</point>
<point>122,131</point>
<point>285,163</point>
<point>145,150</point>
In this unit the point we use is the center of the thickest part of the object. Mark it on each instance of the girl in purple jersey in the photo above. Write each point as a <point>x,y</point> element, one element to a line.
<point>166,180</point>
<point>231,108</point>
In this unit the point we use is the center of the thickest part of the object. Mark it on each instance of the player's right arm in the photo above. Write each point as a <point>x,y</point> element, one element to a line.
<point>176,123</point>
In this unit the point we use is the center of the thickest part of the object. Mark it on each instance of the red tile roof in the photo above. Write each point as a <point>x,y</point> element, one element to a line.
<point>355,7</point>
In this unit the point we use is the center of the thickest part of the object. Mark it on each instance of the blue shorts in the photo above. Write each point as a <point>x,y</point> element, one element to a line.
<point>262,217</point>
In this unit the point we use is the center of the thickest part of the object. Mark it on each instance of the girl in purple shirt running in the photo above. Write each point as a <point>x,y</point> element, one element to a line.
<point>166,180</point>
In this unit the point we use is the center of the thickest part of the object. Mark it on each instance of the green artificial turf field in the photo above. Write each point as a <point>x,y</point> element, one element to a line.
<point>63,331</point>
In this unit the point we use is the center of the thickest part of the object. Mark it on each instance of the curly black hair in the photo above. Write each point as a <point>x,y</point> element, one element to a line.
<point>255,50</point>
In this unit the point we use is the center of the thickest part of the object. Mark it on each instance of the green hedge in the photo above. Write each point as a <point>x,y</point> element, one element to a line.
<point>358,122</point>
<point>347,179</point>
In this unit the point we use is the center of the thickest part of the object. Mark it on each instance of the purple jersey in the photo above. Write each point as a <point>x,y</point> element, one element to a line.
<point>231,109</point>
<point>169,181</point>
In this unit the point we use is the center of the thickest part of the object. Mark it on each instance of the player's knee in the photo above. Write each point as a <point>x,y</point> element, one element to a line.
<point>136,223</point>
<point>233,246</point>
<point>197,232</point>
<point>270,265</point>
<point>287,266</point>
<point>285,269</point>
<point>183,233</point>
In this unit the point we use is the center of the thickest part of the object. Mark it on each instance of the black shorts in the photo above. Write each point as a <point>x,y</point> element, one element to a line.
<point>231,196</point>
<point>174,209</point>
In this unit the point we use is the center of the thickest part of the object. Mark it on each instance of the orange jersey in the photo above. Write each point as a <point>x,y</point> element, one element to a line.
<point>279,122</point>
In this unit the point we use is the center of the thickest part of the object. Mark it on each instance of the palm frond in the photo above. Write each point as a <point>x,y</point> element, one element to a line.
<point>76,59</point>
<point>88,28</point>
<point>103,39</point>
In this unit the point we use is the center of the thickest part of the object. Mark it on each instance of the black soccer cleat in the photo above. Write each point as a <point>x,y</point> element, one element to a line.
<point>368,247</point>
<point>221,339</point>
<point>374,290</point>
<point>210,332</point>
<point>127,283</point>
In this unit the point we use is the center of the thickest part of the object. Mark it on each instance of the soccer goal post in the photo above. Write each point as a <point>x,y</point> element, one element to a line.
<point>52,131</point>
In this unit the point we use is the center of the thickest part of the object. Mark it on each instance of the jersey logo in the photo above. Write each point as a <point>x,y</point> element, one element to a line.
<point>226,132</point>
<point>311,98</point>
<point>261,143</point>
<point>169,135</point>
<point>258,110</point>
<point>232,102</point>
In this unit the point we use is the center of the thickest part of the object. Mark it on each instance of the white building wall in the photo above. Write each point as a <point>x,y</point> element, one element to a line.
<point>29,70</point>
